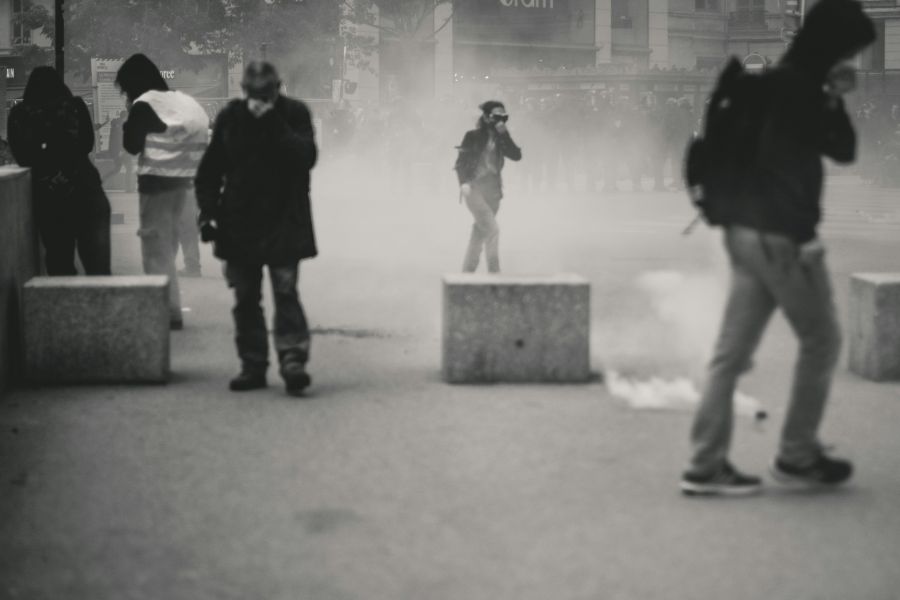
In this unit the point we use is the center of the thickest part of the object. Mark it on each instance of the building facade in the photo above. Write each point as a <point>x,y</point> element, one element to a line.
<point>555,44</point>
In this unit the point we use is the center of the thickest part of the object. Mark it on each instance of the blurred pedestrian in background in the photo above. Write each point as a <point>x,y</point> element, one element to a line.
<point>51,131</point>
<point>253,193</point>
<point>169,132</point>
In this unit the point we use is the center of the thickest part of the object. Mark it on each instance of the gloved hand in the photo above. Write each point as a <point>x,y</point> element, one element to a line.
<point>208,230</point>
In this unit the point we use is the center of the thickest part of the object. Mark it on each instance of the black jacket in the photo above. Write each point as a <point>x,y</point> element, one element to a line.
<point>472,146</point>
<point>55,139</point>
<point>254,182</point>
<point>803,124</point>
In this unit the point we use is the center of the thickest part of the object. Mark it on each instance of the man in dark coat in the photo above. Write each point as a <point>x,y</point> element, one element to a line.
<point>478,168</point>
<point>777,260</point>
<point>253,193</point>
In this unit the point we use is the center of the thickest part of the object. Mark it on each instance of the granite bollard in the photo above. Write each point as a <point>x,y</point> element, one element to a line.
<point>97,329</point>
<point>502,328</point>
<point>874,326</point>
<point>19,262</point>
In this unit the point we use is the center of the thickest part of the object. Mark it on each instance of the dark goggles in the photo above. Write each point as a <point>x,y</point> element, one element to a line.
<point>499,118</point>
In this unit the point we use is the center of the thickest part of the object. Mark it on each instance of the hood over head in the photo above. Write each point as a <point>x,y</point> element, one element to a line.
<point>45,86</point>
<point>832,31</point>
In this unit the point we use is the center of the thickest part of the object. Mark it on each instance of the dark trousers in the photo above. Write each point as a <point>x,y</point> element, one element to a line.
<point>251,336</point>
<point>85,231</point>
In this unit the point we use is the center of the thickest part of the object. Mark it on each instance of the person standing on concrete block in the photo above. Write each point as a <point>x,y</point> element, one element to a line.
<point>169,132</point>
<point>478,166</point>
<point>51,132</point>
<point>772,212</point>
<point>253,192</point>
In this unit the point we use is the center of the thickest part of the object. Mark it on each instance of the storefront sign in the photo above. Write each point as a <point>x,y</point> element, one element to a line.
<point>528,3</point>
<point>564,22</point>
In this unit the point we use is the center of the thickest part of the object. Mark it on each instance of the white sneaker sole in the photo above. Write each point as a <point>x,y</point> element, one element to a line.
<point>794,482</point>
<point>690,488</point>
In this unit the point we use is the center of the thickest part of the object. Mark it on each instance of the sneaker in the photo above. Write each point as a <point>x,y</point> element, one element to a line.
<point>194,273</point>
<point>247,381</point>
<point>825,471</point>
<point>727,481</point>
<point>176,324</point>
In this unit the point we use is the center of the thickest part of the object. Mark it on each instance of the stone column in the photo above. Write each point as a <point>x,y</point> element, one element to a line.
<point>603,30</point>
<point>659,33</point>
<point>443,50</point>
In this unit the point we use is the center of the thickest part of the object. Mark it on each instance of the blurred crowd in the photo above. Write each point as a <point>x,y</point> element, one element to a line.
<point>574,143</point>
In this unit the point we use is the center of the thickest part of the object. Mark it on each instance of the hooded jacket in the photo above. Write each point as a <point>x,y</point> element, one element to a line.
<point>55,139</point>
<point>803,124</point>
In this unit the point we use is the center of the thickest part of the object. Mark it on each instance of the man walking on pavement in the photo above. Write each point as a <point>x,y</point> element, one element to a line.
<point>478,168</point>
<point>169,131</point>
<point>777,259</point>
<point>253,192</point>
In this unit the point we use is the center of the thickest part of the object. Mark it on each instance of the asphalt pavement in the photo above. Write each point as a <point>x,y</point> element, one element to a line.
<point>386,483</point>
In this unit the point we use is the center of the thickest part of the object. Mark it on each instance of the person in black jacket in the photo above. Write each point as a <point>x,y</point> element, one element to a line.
<point>777,259</point>
<point>52,132</point>
<point>253,193</point>
<point>478,167</point>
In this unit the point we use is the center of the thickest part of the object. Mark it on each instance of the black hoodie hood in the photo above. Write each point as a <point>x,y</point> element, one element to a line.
<point>832,31</point>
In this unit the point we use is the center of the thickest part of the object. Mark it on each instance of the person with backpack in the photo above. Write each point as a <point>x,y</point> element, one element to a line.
<point>478,166</point>
<point>52,132</point>
<point>765,190</point>
<point>253,193</point>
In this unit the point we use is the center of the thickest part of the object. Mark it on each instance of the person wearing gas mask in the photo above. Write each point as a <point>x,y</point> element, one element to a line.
<point>478,166</point>
<point>253,194</point>
<point>777,259</point>
<point>169,132</point>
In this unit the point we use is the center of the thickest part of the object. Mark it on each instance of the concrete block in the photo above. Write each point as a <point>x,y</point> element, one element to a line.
<point>18,263</point>
<point>97,329</point>
<point>501,328</point>
<point>874,325</point>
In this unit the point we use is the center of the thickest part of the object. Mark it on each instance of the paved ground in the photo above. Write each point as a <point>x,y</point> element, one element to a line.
<point>387,484</point>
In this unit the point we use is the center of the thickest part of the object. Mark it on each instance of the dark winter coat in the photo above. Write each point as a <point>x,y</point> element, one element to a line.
<point>473,145</point>
<point>254,182</point>
<point>55,140</point>
<point>802,124</point>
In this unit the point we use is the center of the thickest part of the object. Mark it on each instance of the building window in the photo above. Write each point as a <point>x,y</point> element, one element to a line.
<point>748,14</point>
<point>20,33</point>
<point>621,14</point>
<point>707,5</point>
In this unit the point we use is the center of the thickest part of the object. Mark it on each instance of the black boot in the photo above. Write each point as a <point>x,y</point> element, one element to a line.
<point>247,380</point>
<point>296,379</point>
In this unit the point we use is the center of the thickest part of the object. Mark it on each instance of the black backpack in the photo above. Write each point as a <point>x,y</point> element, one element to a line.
<point>719,162</point>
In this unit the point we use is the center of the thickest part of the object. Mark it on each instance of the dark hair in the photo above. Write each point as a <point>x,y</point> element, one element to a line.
<point>138,75</point>
<point>45,85</point>
<point>490,105</point>
<point>261,80</point>
<point>486,108</point>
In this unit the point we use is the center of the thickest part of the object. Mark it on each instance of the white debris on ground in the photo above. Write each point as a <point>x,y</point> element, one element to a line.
<point>680,393</point>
